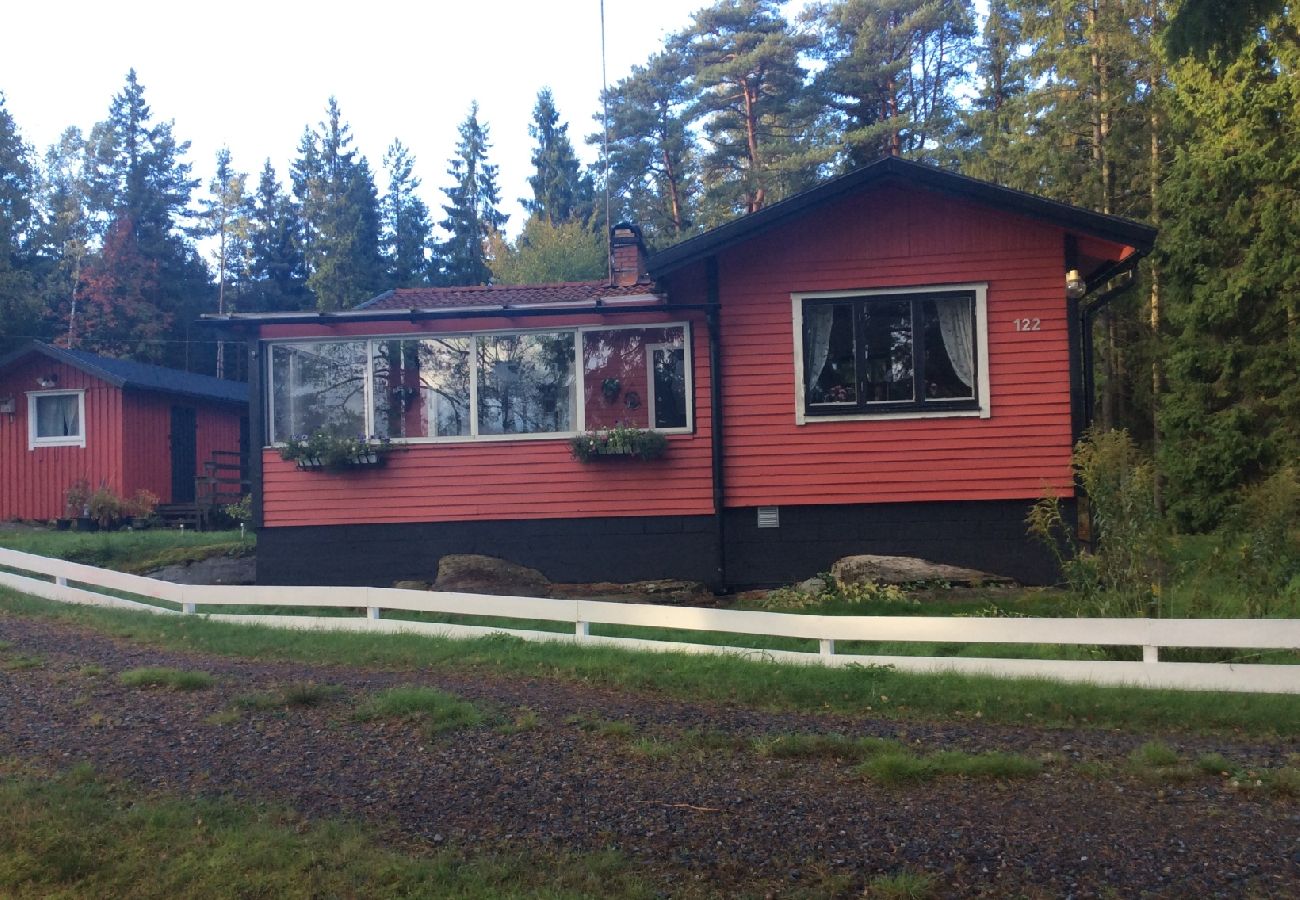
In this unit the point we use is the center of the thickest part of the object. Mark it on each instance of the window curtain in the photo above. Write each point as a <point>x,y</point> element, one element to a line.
<point>958,337</point>
<point>57,417</point>
<point>818,321</point>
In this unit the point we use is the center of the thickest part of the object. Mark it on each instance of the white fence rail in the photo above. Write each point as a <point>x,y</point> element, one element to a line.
<point>1149,634</point>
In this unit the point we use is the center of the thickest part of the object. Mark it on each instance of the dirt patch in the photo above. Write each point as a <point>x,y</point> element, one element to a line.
<point>728,820</point>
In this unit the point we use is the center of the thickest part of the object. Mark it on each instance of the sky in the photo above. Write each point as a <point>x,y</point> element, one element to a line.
<point>251,76</point>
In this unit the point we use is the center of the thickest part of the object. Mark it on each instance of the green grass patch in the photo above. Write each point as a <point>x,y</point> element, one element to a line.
<point>297,694</point>
<point>823,746</point>
<point>525,719</point>
<point>614,728</point>
<point>437,711</point>
<point>882,691</point>
<point>162,677</point>
<point>77,836</point>
<point>1156,762</point>
<point>20,662</point>
<point>901,766</point>
<point>902,886</point>
<point>1215,764</point>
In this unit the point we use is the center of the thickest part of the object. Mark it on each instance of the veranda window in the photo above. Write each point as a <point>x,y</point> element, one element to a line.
<point>318,386</point>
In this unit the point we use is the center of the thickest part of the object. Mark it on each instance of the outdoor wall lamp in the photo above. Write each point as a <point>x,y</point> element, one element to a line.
<point>49,380</point>
<point>1075,286</point>
<point>8,406</point>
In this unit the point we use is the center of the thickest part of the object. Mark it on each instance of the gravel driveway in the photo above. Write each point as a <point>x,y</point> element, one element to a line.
<point>729,820</point>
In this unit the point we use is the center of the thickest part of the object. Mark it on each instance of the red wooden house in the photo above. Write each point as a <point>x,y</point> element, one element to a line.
<point>69,415</point>
<point>890,362</point>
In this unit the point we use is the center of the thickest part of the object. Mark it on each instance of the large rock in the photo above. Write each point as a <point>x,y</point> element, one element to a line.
<point>214,570</point>
<point>476,574</point>
<point>905,570</point>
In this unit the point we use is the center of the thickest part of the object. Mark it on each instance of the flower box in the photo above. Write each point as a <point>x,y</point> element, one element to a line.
<point>624,442</point>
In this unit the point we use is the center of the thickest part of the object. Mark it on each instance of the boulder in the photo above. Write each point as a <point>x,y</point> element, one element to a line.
<point>905,570</point>
<point>214,570</point>
<point>412,585</point>
<point>812,586</point>
<point>476,574</point>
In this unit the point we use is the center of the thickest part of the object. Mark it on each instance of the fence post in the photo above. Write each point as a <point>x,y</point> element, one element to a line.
<point>826,648</point>
<point>372,612</point>
<point>582,629</point>
<point>1150,654</point>
<point>61,580</point>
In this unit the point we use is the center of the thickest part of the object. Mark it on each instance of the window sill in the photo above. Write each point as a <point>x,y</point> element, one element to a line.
<point>56,442</point>
<point>893,415</point>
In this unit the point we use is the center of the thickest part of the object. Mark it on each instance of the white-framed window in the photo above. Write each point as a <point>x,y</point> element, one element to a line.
<point>891,353</point>
<point>491,385</point>
<point>56,419</point>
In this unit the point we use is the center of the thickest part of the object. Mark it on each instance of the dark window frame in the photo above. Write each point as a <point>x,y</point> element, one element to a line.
<point>920,403</point>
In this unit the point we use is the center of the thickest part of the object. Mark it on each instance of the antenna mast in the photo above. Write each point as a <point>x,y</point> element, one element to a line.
<point>604,107</point>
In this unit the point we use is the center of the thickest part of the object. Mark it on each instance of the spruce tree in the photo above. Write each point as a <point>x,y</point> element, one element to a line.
<point>138,191</point>
<point>473,217</point>
<point>560,192</point>
<point>340,210</point>
<point>1230,229</point>
<point>19,307</point>
<point>407,231</point>
<point>277,269</point>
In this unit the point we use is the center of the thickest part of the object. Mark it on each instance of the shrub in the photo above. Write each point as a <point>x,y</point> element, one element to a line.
<point>1263,533</point>
<point>1125,572</point>
<point>105,505</point>
<point>77,498</point>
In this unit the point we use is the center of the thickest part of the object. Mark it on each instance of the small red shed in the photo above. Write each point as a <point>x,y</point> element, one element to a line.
<point>69,415</point>
<point>892,362</point>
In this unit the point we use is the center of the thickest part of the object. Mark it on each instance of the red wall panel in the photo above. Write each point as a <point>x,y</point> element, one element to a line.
<point>148,437</point>
<point>896,238</point>
<point>33,482</point>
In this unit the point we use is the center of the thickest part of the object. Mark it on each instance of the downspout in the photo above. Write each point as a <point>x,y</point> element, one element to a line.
<point>715,420</point>
<point>256,427</point>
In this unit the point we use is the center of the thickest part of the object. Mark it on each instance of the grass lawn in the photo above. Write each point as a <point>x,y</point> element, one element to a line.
<point>79,836</point>
<point>878,691</point>
<point>130,551</point>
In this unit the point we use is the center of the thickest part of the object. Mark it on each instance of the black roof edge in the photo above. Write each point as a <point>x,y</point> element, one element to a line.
<point>57,354</point>
<point>1074,218</point>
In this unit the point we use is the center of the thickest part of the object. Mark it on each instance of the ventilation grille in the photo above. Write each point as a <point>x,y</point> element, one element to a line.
<point>769,517</point>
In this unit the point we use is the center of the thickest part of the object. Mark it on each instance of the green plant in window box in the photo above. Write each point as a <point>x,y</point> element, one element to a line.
<point>327,450</point>
<point>621,440</point>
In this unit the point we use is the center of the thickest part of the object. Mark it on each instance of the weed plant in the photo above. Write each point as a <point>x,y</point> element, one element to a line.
<point>171,679</point>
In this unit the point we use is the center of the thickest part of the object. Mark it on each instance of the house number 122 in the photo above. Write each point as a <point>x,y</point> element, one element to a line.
<point>1028,324</point>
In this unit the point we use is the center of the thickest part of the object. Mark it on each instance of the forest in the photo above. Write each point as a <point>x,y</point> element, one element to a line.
<point>1181,113</point>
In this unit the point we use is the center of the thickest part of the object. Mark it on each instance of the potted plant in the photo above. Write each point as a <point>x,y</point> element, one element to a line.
<point>141,507</point>
<point>105,507</point>
<point>77,506</point>
<point>327,450</point>
<point>621,440</point>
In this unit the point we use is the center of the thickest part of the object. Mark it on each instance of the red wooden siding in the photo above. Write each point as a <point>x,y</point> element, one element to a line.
<point>498,479</point>
<point>32,482</point>
<point>148,437</point>
<point>896,238</point>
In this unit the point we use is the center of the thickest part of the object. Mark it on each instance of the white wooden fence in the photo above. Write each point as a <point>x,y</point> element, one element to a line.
<point>1149,634</point>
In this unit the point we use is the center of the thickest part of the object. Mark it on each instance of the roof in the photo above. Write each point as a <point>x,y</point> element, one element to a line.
<point>141,376</point>
<point>503,295</point>
<point>893,170</point>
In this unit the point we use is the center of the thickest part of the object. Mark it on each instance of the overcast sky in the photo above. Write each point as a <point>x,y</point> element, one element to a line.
<point>252,75</point>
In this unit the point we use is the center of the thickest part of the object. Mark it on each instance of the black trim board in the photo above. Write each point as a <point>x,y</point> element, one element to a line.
<point>987,535</point>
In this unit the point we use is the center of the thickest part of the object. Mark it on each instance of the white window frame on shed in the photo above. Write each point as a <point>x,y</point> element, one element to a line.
<point>34,441</point>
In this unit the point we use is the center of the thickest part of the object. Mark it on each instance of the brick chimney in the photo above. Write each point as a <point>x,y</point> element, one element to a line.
<point>627,254</point>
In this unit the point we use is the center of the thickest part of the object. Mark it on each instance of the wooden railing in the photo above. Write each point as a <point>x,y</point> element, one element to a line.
<point>1149,634</point>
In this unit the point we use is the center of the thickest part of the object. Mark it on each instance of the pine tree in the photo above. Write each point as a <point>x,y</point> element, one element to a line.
<point>19,307</point>
<point>1230,229</point>
<point>277,270</point>
<point>472,210</point>
<point>749,86</point>
<point>653,154</point>
<point>407,231</point>
<point>893,71</point>
<point>340,210</point>
<point>560,192</point>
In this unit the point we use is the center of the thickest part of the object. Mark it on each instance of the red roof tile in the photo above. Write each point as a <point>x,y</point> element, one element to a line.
<point>510,295</point>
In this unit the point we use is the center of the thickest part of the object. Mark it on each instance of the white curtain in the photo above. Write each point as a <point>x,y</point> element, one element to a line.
<point>817,324</point>
<point>57,417</point>
<point>958,337</point>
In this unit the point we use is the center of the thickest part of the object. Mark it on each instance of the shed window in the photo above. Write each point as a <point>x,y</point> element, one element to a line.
<point>890,353</point>
<point>56,419</point>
